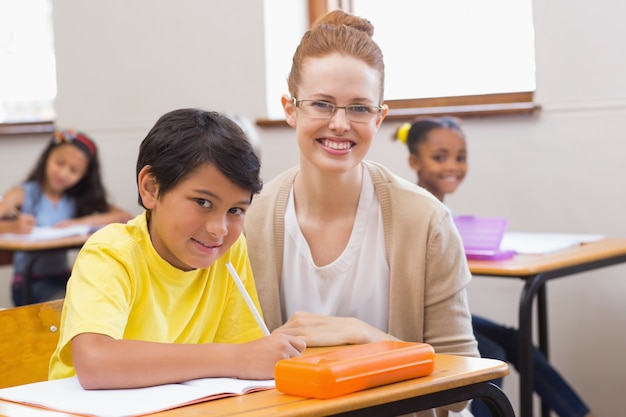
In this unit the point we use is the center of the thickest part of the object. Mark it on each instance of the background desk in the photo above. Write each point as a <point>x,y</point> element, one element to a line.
<point>536,270</point>
<point>455,378</point>
<point>8,246</point>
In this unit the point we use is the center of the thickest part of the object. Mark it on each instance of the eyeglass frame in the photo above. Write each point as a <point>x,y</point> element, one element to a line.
<point>334,107</point>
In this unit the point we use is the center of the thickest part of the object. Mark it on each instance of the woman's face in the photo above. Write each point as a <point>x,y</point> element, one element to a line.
<point>335,144</point>
<point>440,162</point>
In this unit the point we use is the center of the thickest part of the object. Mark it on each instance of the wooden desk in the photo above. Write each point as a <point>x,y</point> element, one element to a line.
<point>8,246</point>
<point>536,270</point>
<point>455,379</point>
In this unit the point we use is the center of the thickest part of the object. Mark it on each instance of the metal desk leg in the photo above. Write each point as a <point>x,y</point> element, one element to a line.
<point>492,396</point>
<point>27,295</point>
<point>497,402</point>
<point>542,317</point>
<point>530,290</point>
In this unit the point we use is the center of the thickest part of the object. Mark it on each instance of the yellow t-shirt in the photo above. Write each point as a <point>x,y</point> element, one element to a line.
<point>122,288</point>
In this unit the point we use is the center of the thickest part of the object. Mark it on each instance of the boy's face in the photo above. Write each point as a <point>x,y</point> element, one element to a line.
<point>198,220</point>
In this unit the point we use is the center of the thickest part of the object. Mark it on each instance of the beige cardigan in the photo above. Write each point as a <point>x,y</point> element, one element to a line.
<point>429,272</point>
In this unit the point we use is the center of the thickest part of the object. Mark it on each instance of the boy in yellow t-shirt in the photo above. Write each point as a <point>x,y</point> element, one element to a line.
<point>150,302</point>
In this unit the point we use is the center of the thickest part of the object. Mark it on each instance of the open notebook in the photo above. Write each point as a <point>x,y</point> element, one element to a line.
<point>66,395</point>
<point>482,237</point>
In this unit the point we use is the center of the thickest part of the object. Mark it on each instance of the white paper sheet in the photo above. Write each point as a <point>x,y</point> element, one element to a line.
<point>48,233</point>
<point>544,243</point>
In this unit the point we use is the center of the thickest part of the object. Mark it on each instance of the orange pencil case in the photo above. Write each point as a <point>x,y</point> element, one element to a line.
<point>354,368</point>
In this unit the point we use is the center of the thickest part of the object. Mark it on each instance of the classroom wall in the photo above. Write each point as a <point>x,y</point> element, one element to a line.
<point>123,64</point>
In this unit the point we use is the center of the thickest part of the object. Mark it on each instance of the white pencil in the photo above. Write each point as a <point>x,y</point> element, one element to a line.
<point>246,297</point>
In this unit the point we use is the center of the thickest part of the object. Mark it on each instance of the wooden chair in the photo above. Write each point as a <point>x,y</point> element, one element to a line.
<point>28,337</point>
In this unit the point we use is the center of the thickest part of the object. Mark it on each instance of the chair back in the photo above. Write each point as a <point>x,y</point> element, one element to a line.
<point>28,337</point>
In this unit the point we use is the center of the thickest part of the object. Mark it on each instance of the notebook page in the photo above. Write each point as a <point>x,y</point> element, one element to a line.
<point>68,396</point>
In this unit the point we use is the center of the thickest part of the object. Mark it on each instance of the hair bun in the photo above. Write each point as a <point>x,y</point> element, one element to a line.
<point>341,18</point>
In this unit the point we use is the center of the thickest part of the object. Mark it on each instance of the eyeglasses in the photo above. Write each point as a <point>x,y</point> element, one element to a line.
<point>319,109</point>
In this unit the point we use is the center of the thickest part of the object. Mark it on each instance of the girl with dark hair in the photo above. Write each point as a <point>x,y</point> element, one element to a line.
<point>63,189</point>
<point>438,154</point>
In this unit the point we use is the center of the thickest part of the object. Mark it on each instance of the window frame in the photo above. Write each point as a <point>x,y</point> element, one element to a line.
<point>487,105</point>
<point>518,103</point>
<point>30,126</point>
<point>26,128</point>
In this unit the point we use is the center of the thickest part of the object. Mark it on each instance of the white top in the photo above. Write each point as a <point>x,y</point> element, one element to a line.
<point>356,284</point>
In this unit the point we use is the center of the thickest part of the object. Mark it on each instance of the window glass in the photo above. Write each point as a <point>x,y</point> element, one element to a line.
<point>27,64</point>
<point>432,49</point>
<point>453,47</point>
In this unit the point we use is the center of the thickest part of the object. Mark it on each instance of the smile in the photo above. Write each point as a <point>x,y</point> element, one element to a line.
<point>340,146</point>
<point>205,245</point>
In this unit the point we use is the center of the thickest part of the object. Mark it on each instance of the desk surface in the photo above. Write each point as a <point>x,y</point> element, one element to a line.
<point>526,265</point>
<point>8,246</point>
<point>34,245</point>
<point>450,372</point>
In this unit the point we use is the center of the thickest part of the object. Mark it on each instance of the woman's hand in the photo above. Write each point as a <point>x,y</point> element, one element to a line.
<point>321,330</point>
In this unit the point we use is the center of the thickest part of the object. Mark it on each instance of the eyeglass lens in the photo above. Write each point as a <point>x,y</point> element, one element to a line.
<point>325,110</point>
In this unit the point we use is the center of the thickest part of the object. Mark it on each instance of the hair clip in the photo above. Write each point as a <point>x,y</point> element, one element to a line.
<point>71,135</point>
<point>403,133</point>
<point>64,136</point>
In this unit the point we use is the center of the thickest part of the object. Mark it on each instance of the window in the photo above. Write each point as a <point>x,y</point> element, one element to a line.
<point>441,57</point>
<point>27,64</point>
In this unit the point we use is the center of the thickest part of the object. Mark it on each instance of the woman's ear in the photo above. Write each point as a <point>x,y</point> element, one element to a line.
<point>148,187</point>
<point>383,114</point>
<point>289,107</point>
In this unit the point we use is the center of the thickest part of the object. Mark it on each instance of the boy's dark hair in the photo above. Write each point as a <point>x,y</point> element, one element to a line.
<point>184,140</point>
<point>89,193</point>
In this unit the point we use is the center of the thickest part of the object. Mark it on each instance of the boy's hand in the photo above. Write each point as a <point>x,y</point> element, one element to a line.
<point>258,358</point>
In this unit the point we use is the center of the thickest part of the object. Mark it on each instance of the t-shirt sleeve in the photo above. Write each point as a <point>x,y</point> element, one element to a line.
<point>97,298</point>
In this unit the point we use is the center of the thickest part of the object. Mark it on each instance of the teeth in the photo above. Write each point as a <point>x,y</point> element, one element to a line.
<point>337,145</point>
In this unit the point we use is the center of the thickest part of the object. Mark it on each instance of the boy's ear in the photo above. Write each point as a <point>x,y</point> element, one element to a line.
<point>148,187</point>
